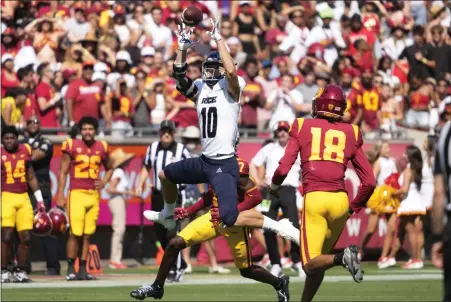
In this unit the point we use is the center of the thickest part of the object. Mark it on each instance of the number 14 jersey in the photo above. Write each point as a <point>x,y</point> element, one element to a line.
<point>218,116</point>
<point>85,162</point>
<point>14,169</point>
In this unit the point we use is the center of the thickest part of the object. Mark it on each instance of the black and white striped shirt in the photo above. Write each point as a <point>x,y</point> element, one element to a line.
<point>158,157</point>
<point>442,164</point>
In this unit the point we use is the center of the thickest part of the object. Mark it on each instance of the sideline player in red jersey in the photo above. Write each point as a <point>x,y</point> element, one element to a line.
<point>207,227</point>
<point>17,212</point>
<point>81,160</point>
<point>326,146</point>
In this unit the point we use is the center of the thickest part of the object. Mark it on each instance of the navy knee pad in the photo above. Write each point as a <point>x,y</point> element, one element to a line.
<point>229,217</point>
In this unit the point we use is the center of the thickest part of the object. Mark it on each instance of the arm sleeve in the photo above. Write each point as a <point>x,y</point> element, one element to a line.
<point>290,156</point>
<point>367,181</point>
<point>203,202</point>
<point>67,146</point>
<point>252,198</point>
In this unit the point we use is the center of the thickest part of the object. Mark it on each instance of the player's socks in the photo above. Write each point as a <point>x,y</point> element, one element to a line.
<point>338,259</point>
<point>70,266</point>
<point>168,209</point>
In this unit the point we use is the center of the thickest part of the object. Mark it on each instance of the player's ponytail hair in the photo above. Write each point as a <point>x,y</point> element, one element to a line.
<point>416,163</point>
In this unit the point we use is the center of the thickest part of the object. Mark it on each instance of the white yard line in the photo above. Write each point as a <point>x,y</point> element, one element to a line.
<point>208,281</point>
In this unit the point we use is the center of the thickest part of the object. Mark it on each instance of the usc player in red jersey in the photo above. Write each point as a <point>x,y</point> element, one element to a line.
<point>81,160</point>
<point>207,227</point>
<point>326,146</point>
<point>17,211</point>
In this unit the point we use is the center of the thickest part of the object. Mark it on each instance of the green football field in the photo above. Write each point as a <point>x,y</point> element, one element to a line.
<point>387,285</point>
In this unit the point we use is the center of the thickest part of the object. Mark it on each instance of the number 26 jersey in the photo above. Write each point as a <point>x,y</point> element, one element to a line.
<point>218,116</point>
<point>85,163</point>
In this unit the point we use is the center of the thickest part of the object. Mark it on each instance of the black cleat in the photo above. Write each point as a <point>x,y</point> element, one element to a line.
<point>147,291</point>
<point>283,293</point>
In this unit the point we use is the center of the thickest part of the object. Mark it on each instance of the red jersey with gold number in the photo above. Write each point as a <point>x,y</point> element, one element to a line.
<point>14,169</point>
<point>85,162</point>
<point>370,101</point>
<point>325,149</point>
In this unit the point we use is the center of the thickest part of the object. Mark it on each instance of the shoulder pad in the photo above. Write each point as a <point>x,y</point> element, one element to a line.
<point>28,148</point>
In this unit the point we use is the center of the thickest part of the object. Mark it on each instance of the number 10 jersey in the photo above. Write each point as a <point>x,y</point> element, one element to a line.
<point>218,116</point>
<point>85,162</point>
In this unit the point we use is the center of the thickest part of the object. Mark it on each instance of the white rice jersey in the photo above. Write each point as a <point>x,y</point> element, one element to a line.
<point>218,116</point>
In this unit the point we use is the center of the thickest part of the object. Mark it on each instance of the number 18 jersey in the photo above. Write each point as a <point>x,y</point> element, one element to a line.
<point>218,116</point>
<point>85,162</point>
<point>325,149</point>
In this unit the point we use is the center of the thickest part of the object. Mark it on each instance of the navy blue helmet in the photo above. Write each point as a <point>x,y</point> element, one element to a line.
<point>210,69</point>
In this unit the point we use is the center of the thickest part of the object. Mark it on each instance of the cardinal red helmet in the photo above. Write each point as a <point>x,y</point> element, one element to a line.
<point>329,101</point>
<point>42,224</point>
<point>59,220</point>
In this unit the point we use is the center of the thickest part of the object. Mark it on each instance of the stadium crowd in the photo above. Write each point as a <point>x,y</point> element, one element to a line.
<point>113,59</point>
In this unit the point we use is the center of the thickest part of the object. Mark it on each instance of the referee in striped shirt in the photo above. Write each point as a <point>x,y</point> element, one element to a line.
<point>441,207</point>
<point>158,155</point>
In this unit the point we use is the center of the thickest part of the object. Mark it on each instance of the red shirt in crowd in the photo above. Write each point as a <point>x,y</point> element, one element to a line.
<point>86,98</point>
<point>30,107</point>
<point>371,23</point>
<point>48,117</point>
<point>252,94</point>
<point>364,34</point>
<point>7,83</point>
<point>419,101</point>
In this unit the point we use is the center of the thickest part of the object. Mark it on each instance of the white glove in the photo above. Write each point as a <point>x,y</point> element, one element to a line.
<point>183,37</point>
<point>215,32</point>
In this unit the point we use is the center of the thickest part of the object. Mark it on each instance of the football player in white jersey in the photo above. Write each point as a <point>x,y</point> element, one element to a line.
<point>217,97</point>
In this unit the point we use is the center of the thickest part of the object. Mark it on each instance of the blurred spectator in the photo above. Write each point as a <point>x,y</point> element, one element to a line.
<point>13,106</point>
<point>83,97</point>
<point>268,85</point>
<point>235,50</point>
<point>158,100</point>
<point>9,42</point>
<point>395,44</point>
<point>419,100</point>
<point>358,31</point>
<point>286,102</point>
<point>418,11</point>
<point>418,55</point>
<point>161,34</point>
<point>226,29</point>
<point>122,70</point>
<point>122,109</point>
<point>297,31</point>
<point>122,31</point>
<point>309,87</point>
<point>76,26</point>
<point>48,110</point>
<point>440,54</point>
<point>46,33</point>
<point>142,100</point>
<point>276,35</point>
<point>244,28</point>
<point>253,95</point>
<point>8,76</point>
<point>328,35</point>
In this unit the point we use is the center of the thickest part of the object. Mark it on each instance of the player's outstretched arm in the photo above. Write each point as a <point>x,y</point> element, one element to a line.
<point>183,84</point>
<point>367,181</point>
<point>233,86</point>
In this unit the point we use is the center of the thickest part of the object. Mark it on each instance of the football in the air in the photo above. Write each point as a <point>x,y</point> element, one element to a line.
<point>192,16</point>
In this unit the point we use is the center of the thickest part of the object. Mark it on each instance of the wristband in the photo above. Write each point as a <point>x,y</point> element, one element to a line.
<point>274,187</point>
<point>436,238</point>
<point>424,60</point>
<point>38,195</point>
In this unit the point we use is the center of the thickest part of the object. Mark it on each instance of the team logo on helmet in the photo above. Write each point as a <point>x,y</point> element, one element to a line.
<point>331,107</point>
